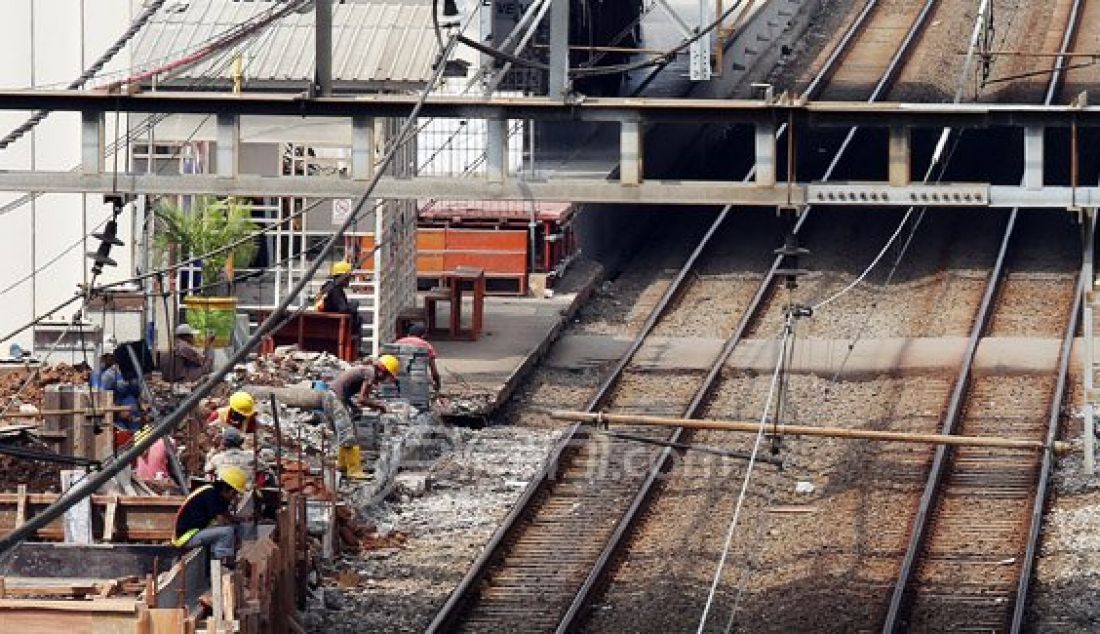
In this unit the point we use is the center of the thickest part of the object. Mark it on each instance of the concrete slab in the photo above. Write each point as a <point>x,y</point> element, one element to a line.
<point>1003,355</point>
<point>480,375</point>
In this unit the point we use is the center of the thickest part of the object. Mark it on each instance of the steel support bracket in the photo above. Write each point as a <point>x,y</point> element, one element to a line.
<point>228,145</point>
<point>362,148</point>
<point>631,143</point>
<point>91,142</point>
<point>900,157</point>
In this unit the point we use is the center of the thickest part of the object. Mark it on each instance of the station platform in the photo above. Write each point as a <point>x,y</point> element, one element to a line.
<point>479,376</point>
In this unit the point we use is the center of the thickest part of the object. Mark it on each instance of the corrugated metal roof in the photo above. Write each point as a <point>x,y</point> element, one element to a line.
<point>375,43</point>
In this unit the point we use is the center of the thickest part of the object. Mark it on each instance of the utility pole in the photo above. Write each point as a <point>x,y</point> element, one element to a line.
<point>323,40</point>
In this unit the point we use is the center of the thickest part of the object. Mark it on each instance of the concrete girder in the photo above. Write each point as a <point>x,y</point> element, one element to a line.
<point>595,190</point>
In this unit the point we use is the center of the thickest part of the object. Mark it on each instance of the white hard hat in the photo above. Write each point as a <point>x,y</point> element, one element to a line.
<point>184,329</point>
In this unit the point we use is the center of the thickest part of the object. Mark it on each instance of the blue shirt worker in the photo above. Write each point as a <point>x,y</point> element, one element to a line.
<point>204,518</point>
<point>125,392</point>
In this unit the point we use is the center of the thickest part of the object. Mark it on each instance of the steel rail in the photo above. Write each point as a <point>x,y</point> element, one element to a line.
<point>935,477</point>
<point>1056,404</point>
<point>459,599</point>
<point>664,460</point>
<point>950,422</point>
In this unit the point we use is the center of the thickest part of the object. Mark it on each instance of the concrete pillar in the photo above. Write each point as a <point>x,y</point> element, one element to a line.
<point>630,153</point>
<point>228,140</point>
<point>559,49</point>
<point>1088,371</point>
<point>900,157</point>
<point>1033,157</point>
<point>765,155</point>
<point>496,143</point>
<point>323,45</point>
<point>362,147</point>
<point>91,142</point>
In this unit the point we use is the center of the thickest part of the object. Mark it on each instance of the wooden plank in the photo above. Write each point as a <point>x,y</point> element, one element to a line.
<point>109,520</point>
<point>21,505</point>
<point>167,620</point>
<point>117,606</point>
<point>214,625</point>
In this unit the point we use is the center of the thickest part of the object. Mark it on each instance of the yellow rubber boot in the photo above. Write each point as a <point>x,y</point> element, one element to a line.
<point>354,461</point>
<point>342,458</point>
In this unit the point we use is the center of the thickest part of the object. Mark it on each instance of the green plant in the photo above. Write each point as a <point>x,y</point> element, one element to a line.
<point>212,225</point>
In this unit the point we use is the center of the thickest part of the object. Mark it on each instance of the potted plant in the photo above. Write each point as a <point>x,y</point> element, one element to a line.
<point>211,225</point>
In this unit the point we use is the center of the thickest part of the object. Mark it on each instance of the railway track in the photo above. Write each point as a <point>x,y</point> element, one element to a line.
<point>974,537</point>
<point>554,547</point>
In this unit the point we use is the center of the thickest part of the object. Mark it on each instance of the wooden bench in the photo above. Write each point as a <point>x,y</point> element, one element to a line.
<point>315,332</point>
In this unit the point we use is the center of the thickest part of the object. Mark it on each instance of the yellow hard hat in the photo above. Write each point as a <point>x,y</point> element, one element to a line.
<point>242,403</point>
<point>390,362</point>
<point>234,477</point>
<point>341,268</point>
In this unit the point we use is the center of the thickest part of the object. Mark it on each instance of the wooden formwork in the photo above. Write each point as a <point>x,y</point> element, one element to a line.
<point>259,595</point>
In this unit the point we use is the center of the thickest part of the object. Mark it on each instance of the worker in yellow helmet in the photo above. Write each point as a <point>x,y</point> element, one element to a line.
<point>205,517</point>
<point>333,297</point>
<point>357,381</point>
<point>239,413</point>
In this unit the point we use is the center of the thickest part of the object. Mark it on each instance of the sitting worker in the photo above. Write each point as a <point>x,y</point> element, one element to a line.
<point>333,297</point>
<point>417,338</point>
<point>337,402</point>
<point>230,454</point>
<point>190,363</point>
<point>128,393</point>
<point>204,518</point>
<point>239,413</point>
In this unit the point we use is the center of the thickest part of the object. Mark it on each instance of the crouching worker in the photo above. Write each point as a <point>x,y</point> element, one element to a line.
<point>239,413</point>
<point>204,518</point>
<point>338,405</point>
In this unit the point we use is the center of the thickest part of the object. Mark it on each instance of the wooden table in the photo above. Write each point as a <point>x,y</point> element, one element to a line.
<point>455,283</point>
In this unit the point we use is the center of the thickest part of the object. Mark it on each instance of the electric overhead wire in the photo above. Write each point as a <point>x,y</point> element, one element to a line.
<point>136,25</point>
<point>113,149</point>
<point>787,330</point>
<point>89,484</point>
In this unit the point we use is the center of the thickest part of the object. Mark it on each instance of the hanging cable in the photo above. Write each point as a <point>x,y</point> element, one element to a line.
<point>89,72</point>
<point>169,423</point>
<point>748,475</point>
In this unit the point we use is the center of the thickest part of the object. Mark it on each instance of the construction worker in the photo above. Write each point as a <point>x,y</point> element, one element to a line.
<point>110,379</point>
<point>239,413</point>
<point>231,455</point>
<point>190,363</point>
<point>155,464</point>
<point>416,337</point>
<point>204,518</point>
<point>337,402</point>
<point>333,297</point>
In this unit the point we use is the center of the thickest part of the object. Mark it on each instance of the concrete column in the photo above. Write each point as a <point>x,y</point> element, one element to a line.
<point>1033,157</point>
<point>559,49</point>
<point>765,155</point>
<point>496,144</point>
<point>1087,272</point>
<point>228,140</point>
<point>630,153</point>
<point>362,147</point>
<point>323,45</point>
<point>900,157</point>
<point>91,142</point>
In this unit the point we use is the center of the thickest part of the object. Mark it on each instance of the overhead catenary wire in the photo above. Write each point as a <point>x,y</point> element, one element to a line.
<point>787,330</point>
<point>88,486</point>
<point>135,26</point>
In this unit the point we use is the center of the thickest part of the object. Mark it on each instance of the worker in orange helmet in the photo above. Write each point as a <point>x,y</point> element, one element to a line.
<point>239,413</point>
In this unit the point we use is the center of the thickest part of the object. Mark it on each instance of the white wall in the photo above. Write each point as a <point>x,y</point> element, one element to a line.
<point>47,43</point>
